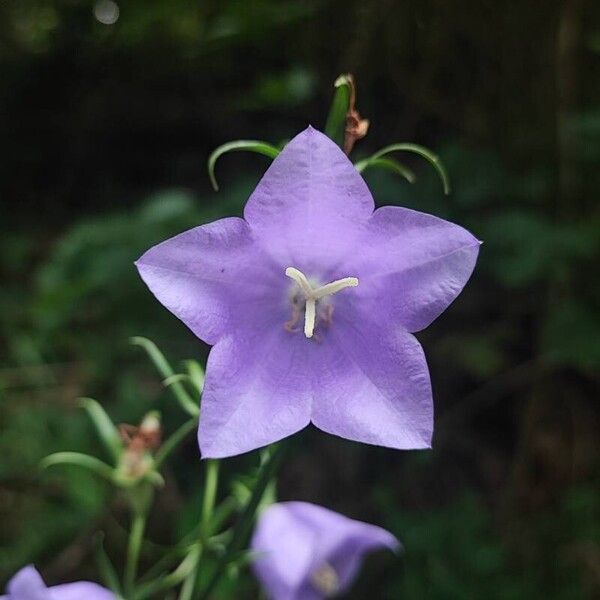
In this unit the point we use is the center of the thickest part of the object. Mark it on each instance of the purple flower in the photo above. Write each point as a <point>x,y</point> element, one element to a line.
<point>27,584</point>
<point>307,552</point>
<point>309,302</point>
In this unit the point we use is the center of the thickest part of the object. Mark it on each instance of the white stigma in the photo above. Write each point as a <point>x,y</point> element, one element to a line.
<point>312,294</point>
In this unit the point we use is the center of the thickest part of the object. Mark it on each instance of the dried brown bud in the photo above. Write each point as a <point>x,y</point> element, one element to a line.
<point>356,126</point>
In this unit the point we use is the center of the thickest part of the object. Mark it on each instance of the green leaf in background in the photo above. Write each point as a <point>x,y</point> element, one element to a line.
<point>571,335</point>
<point>336,120</point>
<point>246,145</point>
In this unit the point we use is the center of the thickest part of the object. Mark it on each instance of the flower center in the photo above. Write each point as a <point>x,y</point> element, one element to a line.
<point>312,295</point>
<point>326,580</point>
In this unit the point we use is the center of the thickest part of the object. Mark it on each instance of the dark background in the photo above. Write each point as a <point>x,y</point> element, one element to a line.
<point>105,131</point>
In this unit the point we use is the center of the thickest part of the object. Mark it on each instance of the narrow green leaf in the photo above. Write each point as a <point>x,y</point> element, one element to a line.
<point>421,151</point>
<point>173,441</point>
<point>166,371</point>
<point>105,566</point>
<point>105,428</point>
<point>336,119</point>
<point>248,145</point>
<point>196,373</point>
<point>177,377</point>
<point>81,460</point>
<point>388,164</point>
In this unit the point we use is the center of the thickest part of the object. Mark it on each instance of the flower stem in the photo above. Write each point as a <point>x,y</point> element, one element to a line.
<point>210,493</point>
<point>244,525</point>
<point>187,589</point>
<point>136,536</point>
<point>211,484</point>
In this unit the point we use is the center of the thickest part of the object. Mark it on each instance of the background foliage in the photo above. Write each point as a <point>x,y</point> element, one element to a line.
<point>106,130</point>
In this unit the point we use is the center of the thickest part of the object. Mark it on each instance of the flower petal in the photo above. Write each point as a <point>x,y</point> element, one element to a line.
<point>257,390</point>
<point>27,584</point>
<point>310,205</point>
<point>293,540</point>
<point>211,276</point>
<point>412,265</point>
<point>79,591</point>
<point>374,386</point>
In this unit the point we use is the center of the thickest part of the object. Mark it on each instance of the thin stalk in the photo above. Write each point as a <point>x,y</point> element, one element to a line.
<point>186,568</point>
<point>210,493</point>
<point>134,546</point>
<point>211,484</point>
<point>244,525</point>
<point>187,589</point>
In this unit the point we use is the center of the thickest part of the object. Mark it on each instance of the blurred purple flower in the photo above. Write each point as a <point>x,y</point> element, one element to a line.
<point>27,584</point>
<point>309,301</point>
<point>307,552</point>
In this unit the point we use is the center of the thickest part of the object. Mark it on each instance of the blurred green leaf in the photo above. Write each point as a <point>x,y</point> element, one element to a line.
<point>166,371</point>
<point>105,428</point>
<point>171,443</point>
<point>525,246</point>
<point>196,373</point>
<point>105,567</point>
<point>571,335</point>
<point>81,460</point>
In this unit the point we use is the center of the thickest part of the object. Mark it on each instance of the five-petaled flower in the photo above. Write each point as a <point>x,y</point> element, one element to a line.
<point>307,552</point>
<point>310,301</point>
<point>27,584</point>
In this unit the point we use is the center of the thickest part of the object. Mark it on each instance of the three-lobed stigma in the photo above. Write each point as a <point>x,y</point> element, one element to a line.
<point>312,295</point>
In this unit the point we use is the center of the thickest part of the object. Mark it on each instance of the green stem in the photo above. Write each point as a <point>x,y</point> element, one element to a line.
<point>210,493</point>
<point>134,546</point>
<point>211,484</point>
<point>243,527</point>
<point>187,589</point>
<point>182,573</point>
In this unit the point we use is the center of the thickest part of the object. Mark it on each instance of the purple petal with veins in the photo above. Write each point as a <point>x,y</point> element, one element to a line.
<point>310,302</point>
<point>307,552</point>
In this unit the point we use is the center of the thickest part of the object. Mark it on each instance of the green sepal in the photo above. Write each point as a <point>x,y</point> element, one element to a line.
<point>238,145</point>
<point>86,461</point>
<point>421,151</point>
<point>388,164</point>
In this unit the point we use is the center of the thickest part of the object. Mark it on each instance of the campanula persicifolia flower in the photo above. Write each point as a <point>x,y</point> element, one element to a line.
<point>28,584</point>
<point>309,302</point>
<point>307,552</point>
